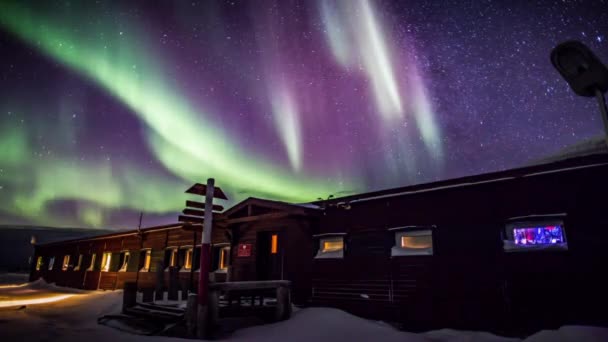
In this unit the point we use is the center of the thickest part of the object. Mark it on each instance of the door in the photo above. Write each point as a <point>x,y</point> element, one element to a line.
<point>269,258</point>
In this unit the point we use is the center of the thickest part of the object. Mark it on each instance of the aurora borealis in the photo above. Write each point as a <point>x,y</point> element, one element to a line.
<point>108,109</point>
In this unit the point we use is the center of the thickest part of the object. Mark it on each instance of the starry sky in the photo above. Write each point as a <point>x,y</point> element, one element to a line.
<point>109,109</point>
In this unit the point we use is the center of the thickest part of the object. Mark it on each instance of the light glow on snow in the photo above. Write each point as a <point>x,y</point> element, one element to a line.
<point>32,301</point>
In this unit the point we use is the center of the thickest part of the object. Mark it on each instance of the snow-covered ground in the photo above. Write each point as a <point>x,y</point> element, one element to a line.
<point>74,318</point>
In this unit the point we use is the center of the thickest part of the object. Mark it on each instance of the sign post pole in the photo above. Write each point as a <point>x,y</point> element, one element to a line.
<point>203,280</point>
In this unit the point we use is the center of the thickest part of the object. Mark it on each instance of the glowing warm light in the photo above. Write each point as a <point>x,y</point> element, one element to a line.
<point>20,302</point>
<point>105,261</point>
<point>66,263</point>
<point>332,246</point>
<point>224,258</point>
<point>147,259</point>
<point>12,285</point>
<point>125,261</point>
<point>38,263</point>
<point>274,244</point>
<point>77,268</point>
<point>92,266</point>
<point>416,242</point>
<point>173,258</point>
<point>188,259</point>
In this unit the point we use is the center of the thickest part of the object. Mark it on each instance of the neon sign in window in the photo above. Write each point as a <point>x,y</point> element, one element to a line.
<point>543,235</point>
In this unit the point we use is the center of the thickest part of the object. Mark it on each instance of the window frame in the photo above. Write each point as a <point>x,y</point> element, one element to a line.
<point>188,250</point>
<point>126,257</point>
<point>39,263</point>
<point>106,261</point>
<point>92,264</point>
<point>77,267</point>
<point>331,237</point>
<point>51,263</point>
<point>146,261</point>
<point>398,250</point>
<point>224,260</point>
<point>536,221</point>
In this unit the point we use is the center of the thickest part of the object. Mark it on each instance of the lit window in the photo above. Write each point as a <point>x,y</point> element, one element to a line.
<point>147,257</point>
<point>39,263</point>
<point>224,257</point>
<point>51,262</point>
<point>125,261</point>
<point>331,247</point>
<point>66,263</point>
<point>173,258</point>
<point>188,259</point>
<point>413,242</point>
<point>538,235</point>
<point>274,241</point>
<point>92,265</point>
<point>106,258</point>
<point>79,264</point>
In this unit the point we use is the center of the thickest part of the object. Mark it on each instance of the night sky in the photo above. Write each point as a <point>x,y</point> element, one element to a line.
<point>108,109</point>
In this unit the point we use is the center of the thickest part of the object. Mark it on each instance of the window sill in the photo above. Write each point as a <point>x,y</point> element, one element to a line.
<point>511,247</point>
<point>398,251</point>
<point>330,255</point>
<point>225,270</point>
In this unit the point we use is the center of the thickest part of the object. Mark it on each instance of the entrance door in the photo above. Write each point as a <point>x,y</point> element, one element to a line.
<point>269,260</point>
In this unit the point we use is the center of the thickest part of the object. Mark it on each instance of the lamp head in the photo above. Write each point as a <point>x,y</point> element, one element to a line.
<point>583,71</point>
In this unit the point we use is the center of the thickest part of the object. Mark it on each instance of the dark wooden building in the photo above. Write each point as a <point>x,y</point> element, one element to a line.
<point>510,252</point>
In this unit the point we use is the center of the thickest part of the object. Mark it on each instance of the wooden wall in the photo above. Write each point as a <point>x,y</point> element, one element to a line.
<point>157,241</point>
<point>470,282</point>
<point>295,244</point>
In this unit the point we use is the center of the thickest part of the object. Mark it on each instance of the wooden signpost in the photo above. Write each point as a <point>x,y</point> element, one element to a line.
<point>193,216</point>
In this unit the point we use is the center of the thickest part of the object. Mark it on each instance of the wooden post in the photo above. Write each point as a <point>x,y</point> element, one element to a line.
<point>173,283</point>
<point>203,280</point>
<point>148,295</point>
<point>202,321</point>
<point>129,296</point>
<point>160,280</point>
<point>283,309</point>
<point>214,307</point>
<point>191,311</point>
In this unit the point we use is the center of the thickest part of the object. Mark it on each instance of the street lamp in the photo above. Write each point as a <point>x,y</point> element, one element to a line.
<point>584,72</point>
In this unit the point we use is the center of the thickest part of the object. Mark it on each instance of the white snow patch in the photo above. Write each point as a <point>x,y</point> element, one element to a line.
<point>75,319</point>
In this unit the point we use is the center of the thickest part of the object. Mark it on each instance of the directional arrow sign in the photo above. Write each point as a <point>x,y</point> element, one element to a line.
<point>201,189</point>
<point>190,219</point>
<point>194,212</point>
<point>200,205</point>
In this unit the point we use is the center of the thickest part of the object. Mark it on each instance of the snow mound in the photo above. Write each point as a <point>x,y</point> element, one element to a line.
<point>571,333</point>
<point>324,324</point>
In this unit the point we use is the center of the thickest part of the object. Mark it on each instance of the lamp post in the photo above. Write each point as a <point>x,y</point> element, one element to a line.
<point>584,72</point>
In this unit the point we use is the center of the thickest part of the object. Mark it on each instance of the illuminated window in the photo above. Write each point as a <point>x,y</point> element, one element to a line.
<point>331,247</point>
<point>106,258</point>
<point>124,257</point>
<point>413,242</point>
<point>79,264</point>
<point>51,262</point>
<point>66,263</point>
<point>274,241</point>
<point>39,263</point>
<point>224,258</point>
<point>188,259</point>
<point>173,257</point>
<point>548,234</point>
<point>147,258</point>
<point>92,265</point>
